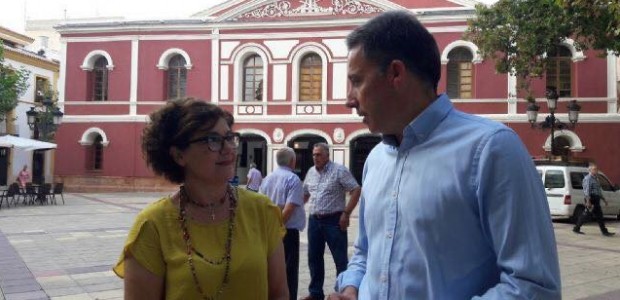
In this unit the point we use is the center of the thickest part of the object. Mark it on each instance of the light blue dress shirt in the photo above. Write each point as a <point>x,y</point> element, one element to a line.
<point>283,187</point>
<point>457,211</point>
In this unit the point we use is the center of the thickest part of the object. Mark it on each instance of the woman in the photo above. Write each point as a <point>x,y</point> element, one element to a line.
<point>208,240</point>
<point>23,177</point>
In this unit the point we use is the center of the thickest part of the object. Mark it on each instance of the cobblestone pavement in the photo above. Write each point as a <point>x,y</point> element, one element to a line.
<point>67,251</point>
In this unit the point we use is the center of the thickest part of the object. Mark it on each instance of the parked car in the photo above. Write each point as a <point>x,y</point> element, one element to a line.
<point>563,185</point>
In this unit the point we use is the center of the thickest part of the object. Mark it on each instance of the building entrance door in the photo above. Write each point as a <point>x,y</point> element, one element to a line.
<point>360,148</point>
<point>303,151</point>
<point>38,167</point>
<point>4,165</point>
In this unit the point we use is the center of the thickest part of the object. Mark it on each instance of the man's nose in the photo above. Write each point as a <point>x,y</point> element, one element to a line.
<point>351,102</point>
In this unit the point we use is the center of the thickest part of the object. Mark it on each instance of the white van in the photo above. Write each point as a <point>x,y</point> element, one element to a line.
<point>562,181</point>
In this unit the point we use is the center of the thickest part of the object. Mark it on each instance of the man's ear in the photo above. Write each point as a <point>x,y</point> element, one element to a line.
<point>177,156</point>
<point>396,72</point>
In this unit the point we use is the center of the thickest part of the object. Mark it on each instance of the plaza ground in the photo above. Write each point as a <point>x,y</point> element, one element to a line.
<point>67,251</point>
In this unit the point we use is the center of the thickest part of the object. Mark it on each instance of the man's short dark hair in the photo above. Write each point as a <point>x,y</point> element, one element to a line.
<point>398,35</point>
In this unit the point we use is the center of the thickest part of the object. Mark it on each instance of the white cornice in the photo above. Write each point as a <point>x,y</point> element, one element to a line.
<point>330,119</point>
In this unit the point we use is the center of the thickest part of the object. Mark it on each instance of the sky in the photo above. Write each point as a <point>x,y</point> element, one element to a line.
<point>13,13</point>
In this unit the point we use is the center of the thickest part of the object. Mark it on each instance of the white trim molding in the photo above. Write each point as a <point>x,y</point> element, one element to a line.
<point>294,134</point>
<point>297,54</point>
<point>573,138</point>
<point>239,56</point>
<point>358,133</point>
<point>92,56</point>
<point>88,137</point>
<point>165,57</point>
<point>461,43</point>
<point>258,132</point>
<point>577,55</point>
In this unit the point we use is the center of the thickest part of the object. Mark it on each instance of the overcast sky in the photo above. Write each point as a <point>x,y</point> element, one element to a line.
<point>14,12</point>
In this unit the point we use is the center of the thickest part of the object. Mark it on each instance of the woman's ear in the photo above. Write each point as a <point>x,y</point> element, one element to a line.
<point>177,156</point>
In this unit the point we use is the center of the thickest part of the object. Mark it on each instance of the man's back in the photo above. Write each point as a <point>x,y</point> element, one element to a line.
<point>282,187</point>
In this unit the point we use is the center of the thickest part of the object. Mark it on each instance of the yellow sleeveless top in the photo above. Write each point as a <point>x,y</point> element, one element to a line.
<point>156,242</point>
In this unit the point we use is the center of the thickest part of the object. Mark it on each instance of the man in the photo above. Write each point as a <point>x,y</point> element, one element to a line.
<point>254,178</point>
<point>594,195</point>
<point>452,206</point>
<point>325,187</point>
<point>285,189</point>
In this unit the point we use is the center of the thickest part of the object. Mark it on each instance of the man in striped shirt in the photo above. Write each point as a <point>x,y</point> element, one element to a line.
<point>594,195</point>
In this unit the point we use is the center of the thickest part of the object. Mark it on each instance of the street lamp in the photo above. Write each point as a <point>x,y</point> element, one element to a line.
<point>551,121</point>
<point>43,122</point>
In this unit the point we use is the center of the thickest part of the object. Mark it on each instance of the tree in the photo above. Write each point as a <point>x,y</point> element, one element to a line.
<point>517,34</point>
<point>13,84</point>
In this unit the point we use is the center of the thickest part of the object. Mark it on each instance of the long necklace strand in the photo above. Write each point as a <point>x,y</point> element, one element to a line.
<point>183,199</point>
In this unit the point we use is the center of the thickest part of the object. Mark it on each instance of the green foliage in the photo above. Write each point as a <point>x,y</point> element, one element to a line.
<point>45,118</point>
<point>13,84</point>
<point>595,23</point>
<point>517,34</point>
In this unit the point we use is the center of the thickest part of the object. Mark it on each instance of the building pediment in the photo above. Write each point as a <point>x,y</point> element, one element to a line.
<point>296,9</point>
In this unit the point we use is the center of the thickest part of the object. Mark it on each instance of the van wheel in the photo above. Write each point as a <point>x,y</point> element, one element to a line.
<point>576,213</point>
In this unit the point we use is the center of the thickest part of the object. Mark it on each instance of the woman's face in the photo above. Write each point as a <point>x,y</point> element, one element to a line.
<point>203,164</point>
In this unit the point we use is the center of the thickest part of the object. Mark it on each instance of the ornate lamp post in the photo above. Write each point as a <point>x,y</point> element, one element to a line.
<point>551,122</point>
<point>44,121</point>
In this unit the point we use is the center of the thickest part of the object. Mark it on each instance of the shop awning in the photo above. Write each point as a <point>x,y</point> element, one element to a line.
<point>9,141</point>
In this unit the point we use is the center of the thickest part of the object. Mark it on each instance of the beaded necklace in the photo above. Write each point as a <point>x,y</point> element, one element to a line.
<point>226,258</point>
<point>210,206</point>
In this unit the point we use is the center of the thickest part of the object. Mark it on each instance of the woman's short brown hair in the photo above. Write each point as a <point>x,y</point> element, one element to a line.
<point>173,125</point>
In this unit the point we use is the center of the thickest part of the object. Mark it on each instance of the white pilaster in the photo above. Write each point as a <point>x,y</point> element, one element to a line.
<point>63,75</point>
<point>512,94</point>
<point>133,88</point>
<point>215,63</point>
<point>612,84</point>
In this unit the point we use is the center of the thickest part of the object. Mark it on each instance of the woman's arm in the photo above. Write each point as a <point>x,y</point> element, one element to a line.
<point>140,283</point>
<point>278,287</point>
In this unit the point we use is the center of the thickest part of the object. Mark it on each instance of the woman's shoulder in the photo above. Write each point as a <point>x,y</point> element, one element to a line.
<point>157,209</point>
<point>253,199</point>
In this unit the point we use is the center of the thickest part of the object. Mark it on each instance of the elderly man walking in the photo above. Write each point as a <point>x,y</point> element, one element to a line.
<point>325,186</point>
<point>285,189</point>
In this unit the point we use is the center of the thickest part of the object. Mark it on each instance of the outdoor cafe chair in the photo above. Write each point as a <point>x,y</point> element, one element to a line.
<point>44,194</point>
<point>58,187</point>
<point>9,195</point>
<point>31,192</point>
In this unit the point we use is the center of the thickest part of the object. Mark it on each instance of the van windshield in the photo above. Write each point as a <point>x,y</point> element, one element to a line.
<point>576,179</point>
<point>554,179</point>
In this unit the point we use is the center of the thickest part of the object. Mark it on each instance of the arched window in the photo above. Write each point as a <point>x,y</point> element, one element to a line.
<point>310,78</point>
<point>559,66</point>
<point>95,154</point>
<point>100,80</point>
<point>460,73</point>
<point>253,79</point>
<point>177,77</point>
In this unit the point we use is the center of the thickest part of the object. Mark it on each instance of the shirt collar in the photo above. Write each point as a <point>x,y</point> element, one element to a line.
<point>325,168</point>
<point>285,168</point>
<point>423,125</point>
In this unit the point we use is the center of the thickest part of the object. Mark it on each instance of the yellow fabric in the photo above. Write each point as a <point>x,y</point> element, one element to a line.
<point>156,242</point>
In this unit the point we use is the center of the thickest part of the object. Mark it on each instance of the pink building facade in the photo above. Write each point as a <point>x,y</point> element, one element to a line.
<point>280,67</point>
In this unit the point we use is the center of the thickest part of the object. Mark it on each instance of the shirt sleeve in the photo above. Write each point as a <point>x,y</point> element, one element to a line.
<point>296,193</point>
<point>515,219</point>
<point>346,179</point>
<point>357,265</point>
<point>586,186</point>
<point>143,245</point>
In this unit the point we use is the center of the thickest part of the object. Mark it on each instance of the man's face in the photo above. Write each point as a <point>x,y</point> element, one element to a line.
<point>370,93</point>
<point>594,170</point>
<point>319,157</point>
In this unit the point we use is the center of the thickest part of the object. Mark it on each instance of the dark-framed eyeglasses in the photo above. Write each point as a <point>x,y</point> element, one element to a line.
<point>215,142</point>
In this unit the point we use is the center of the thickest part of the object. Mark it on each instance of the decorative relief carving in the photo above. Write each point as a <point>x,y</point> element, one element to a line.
<point>311,8</point>
<point>250,110</point>
<point>308,109</point>
<point>339,135</point>
<point>278,135</point>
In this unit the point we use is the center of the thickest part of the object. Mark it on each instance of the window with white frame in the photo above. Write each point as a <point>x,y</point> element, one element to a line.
<point>310,78</point>
<point>253,78</point>
<point>559,69</point>
<point>460,73</point>
<point>177,77</point>
<point>99,75</point>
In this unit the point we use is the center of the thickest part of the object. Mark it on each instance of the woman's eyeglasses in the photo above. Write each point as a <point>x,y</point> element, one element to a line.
<point>215,142</point>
